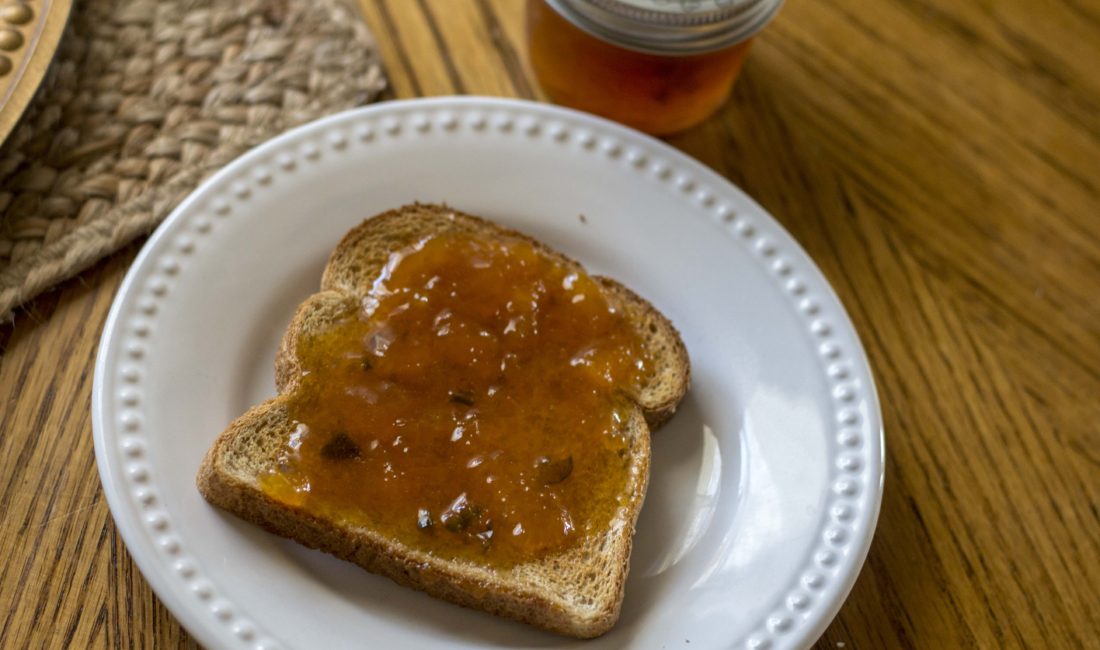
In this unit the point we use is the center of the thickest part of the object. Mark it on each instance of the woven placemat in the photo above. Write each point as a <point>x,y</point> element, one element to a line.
<point>148,97</point>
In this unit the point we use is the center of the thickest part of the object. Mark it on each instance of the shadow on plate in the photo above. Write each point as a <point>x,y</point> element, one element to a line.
<point>256,368</point>
<point>691,474</point>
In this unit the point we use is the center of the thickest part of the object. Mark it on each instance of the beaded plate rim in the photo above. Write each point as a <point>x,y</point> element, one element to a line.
<point>849,515</point>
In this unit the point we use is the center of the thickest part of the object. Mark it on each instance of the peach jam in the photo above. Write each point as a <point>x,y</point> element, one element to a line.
<point>471,406</point>
<point>661,66</point>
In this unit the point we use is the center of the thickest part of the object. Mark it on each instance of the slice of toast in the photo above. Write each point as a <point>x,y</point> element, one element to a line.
<point>575,592</point>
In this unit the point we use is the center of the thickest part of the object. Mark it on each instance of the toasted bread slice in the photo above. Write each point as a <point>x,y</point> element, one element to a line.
<point>575,592</point>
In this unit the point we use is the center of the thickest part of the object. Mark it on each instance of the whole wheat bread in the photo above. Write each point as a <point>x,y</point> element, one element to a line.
<point>576,592</point>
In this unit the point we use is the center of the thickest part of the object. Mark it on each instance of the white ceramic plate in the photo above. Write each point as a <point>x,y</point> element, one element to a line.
<point>765,487</point>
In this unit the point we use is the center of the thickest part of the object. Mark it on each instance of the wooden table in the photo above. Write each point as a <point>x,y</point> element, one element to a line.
<point>937,158</point>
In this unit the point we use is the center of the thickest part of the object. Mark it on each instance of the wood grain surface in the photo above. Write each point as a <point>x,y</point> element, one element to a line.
<point>937,158</point>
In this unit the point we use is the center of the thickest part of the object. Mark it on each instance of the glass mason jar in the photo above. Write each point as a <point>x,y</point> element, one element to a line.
<point>660,66</point>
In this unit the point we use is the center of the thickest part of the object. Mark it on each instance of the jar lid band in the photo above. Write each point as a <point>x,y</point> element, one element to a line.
<point>669,26</point>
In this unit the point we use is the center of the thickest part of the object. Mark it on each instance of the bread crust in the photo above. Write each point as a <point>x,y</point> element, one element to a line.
<point>577,592</point>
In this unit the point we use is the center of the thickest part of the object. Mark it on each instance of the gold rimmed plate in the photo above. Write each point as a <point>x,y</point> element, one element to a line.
<point>30,31</point>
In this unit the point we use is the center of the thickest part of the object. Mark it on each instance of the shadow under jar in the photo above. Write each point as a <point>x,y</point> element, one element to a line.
<point>660,66</point>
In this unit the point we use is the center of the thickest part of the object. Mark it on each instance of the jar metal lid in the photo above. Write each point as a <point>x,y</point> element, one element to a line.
<point>669,26</point>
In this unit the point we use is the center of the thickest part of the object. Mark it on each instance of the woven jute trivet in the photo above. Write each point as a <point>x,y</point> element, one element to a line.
<point>148,97</point>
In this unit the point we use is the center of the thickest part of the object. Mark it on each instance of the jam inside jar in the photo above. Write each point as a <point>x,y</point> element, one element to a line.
<point>624,71</point>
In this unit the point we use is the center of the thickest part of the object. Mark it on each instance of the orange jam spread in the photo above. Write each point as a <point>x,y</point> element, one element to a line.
<point>471,407</point>
<point>657,93</point>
